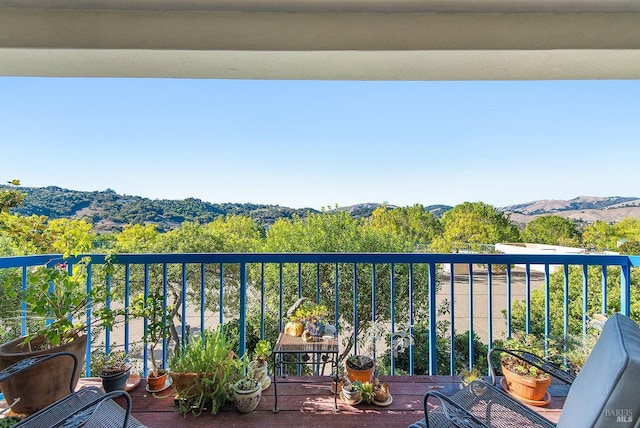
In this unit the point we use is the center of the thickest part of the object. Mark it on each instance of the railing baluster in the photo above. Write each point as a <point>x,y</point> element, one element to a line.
<point>203,274</point>
<point>87,370</point>
<point>23,305</point>
<point>221,299</point>
<point>373,305</point>
<point>165,292</point>
<point>625,289</point>
<point>183,291</point>
<point>433,338</point>
<point>452,318</point>
<point>107,331</point>
<point>243,308</point>
<point>585,301</point>
<point>262,301</point>
<point>392,313</point>
<point>547,326</point>
<point>127,302</point>
<point>145,352</point>
<point>527,297</point>
<point>471,356</point>
<point>411,320</point>
<point>565,317</point>
<point>508,293</point>
<point>489,305</point>
<point>355,309</point>
<point>604,290</point>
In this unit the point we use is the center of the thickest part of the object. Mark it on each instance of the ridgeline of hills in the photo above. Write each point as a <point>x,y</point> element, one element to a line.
<point>109,211</point>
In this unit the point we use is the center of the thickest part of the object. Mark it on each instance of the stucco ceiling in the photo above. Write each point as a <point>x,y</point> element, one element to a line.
<point>322,39</point>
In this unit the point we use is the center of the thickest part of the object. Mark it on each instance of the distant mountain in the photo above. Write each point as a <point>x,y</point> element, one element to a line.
<point>583,209</point>
<point>109,211</point>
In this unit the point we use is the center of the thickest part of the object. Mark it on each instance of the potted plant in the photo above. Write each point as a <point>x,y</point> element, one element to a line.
<point>380,391</point>
<point>366,391</point>
<point>202,371</point>
<point>58,295</point>
<point>113,369</point>
<point>360,367</point>
<point>521,378</point>
<point>246,394</point>
<point>152,308</point>
<point>258,366</point>
<point>469,375</point>
<point>338,379</point>
<point>306,319</point>
<point>351,391</point>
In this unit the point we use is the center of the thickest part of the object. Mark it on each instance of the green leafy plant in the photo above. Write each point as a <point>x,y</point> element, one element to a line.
<point>106,365</point>
<point>469,375</point>
<point>367,392</point>
<point>360,362</point>
<point>212,358</point>
<point>262,351</point>
<point>61,298</point>
<point>158,322</point>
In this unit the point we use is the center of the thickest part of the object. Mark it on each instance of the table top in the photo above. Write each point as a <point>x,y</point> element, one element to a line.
<point>288,343</point>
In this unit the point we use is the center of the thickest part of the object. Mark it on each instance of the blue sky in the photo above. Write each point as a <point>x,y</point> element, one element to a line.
<point>318,144</point>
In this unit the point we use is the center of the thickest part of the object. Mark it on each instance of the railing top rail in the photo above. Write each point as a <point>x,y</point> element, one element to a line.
<point>446,258</point>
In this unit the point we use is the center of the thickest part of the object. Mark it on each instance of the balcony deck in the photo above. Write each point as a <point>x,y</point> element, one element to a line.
<point>308,401</point>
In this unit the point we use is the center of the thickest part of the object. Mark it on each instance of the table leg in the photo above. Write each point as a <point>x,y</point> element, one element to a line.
<point>275,384</point>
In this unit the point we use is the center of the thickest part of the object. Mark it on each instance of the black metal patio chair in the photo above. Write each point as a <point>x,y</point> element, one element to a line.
<point>604,394</point>
<point>88,407</point>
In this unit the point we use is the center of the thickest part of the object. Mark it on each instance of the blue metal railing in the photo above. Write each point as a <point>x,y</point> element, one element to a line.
<point>364,291</point>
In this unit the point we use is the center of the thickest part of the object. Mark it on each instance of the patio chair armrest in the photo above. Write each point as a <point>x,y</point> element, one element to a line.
<point>30,362</point>
<point>84,413</point>
<point>536,361</point>
<point>455,414</point>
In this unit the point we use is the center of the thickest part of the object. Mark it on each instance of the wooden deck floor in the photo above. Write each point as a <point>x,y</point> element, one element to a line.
<point>308,402</point>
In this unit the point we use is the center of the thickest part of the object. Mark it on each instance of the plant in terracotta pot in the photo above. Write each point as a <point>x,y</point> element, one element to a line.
<point>58,295</point>
<point>113,369</point>
<point>157,314</point>
<point>360,367</point>
<point>338,379</point>
<point>202,371</point>
<point>521,378</point>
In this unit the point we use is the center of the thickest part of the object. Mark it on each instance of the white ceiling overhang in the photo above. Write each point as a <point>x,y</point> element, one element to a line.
<point>314,39</point>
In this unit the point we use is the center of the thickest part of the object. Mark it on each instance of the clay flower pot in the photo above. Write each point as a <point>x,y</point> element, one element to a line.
<point>527,387</point>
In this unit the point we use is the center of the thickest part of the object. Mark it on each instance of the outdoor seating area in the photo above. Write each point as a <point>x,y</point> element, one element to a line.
<point>608,382</point>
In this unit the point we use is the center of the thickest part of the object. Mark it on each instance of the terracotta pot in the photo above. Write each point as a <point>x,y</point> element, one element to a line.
<point>185,383</point>
<point>45,383</point>
<point>337,386</point>
<point>526,387</point>
<point>157,383</point>
<point>361,375</point>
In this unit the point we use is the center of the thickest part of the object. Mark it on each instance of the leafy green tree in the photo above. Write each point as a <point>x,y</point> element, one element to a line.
<point>414,223</point>
<point>11,198</point>
<point>600,236</point>
<point>552,230</point>
<point>474,223</point>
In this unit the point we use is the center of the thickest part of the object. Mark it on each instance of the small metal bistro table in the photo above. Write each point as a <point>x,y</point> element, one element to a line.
<point>325,349</point>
